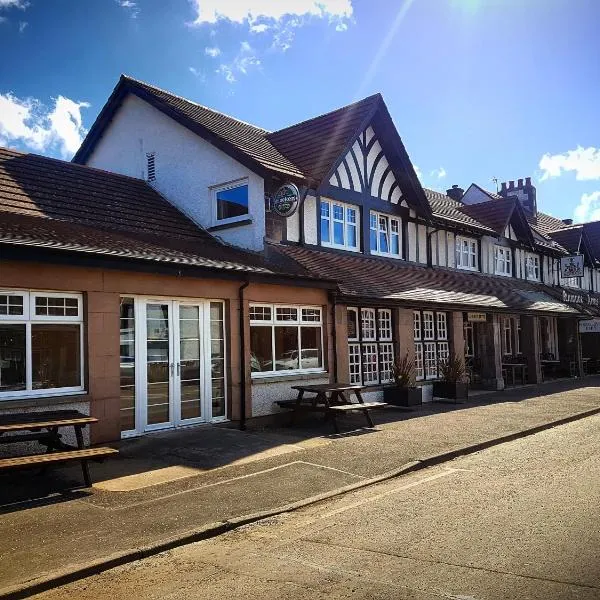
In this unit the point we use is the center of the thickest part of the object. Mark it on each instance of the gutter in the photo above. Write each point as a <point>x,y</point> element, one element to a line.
<point>242,324</point>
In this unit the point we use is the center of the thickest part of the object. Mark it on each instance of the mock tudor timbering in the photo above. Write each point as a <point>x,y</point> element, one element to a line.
<point>189,300</point>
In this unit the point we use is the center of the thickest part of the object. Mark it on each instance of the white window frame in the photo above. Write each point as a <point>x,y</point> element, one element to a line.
<point>228,186</point>
<point>378,324</point>
<point>387,230</point>
<point>503,261</point>
<point>533,266</point>
<point>430,333</point>
<point>29,318</point>
<point>300,323</point>
<point>346,223</point>
<point>428,326</point>
<point>465,249</point>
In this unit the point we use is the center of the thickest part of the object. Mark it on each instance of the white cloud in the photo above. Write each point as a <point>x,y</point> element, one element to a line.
<point>36,126</point>
<point>588,208</point>
<point>214,51</point>
<point>131,6</point>
<point>22,4</point>
<point>585,162</point>
<point>244,60</point>
<point>439,173</point>
<point>260,28</point>
<point>22,25</point>
<point>240,11</point>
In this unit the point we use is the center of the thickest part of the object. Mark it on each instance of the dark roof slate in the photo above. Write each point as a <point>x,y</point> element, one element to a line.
<point>387,280</point>
<point>446,209</point>
<point>316,144</point>
<point>569,238</point>
<point>495,214</point>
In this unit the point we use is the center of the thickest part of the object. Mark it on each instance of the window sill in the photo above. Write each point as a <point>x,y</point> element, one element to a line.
<point>385,255</point>
<point>472,269</point>
<point>258,379</point>
<point>41,401</point>
<point>339,247</point>
<point>230,225</point>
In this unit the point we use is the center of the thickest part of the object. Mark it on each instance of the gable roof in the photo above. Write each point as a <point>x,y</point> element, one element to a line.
<point>490,195</point>
<point>246,143</point>
<point>53,204</point>
<point>449,211</point>
<point>316,144</point>
<point>592,231</point>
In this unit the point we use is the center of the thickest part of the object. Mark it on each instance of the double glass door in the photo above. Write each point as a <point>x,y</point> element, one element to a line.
<point>178,364</point>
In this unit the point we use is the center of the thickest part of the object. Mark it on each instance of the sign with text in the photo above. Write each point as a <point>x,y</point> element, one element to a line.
<point>591,326</point>
<point>475,317</point>
<point>285,200</point>
<point>571,266</point>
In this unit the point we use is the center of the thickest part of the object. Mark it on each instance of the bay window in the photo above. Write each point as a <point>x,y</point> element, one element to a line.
<point>466,253</point>
<point>503,261</point>
<point>532,266</point>
<point>431,343</point>
<point>285,339</point>
<point>41,343</point>
<point>339,225</point>
<point>371,345</point>
<point>385,237</point>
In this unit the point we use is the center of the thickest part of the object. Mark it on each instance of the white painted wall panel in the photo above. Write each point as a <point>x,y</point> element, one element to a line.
<point>422,253</point>
<point>186,167</point>
<point>442,249</point>
<point>434,248</point>
<point>310,220</point>
<point>412,242</point>
<point>451,251</point>
<point>293,227</point>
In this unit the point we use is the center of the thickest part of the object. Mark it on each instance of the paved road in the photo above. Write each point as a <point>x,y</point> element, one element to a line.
<point>518,521</point>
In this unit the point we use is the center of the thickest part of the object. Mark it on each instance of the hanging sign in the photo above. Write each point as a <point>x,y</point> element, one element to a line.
<point>591,326</point>
<point>571,266</point>
<point>285,200</point>
<point>475,317</point>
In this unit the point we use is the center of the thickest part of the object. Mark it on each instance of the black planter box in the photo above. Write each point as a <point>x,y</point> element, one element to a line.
<point>403,396</point>
<point>454,391</point>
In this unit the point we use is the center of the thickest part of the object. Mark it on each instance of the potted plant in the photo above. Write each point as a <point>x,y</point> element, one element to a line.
<point>403,392</point>
<point>453,382</point>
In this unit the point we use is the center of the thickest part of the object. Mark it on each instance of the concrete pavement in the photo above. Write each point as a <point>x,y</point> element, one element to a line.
<point>172,487</point>
<point>518,520</point>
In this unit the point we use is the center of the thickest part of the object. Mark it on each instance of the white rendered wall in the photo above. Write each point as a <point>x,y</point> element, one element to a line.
<point>186,167</point>
<point>293,227</point>
<point>266,394</point>
<point>310,220</point>
<point>474,195</point>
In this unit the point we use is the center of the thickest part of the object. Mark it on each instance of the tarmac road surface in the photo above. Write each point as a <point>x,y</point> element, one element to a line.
<point>517,521</point>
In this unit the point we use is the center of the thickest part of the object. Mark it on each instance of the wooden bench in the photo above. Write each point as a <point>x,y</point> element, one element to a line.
<point>357,406</point>
<point>45,427</point>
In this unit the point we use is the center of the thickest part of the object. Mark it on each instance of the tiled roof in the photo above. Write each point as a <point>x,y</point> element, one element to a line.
<point>236,135</point>
<point>545,223</point>
<point>314,145</point>
<point>55,204</point>
<point>569,238</point>
<point>388,280</point>
<point>495,214</point>
<point>445,208</point>
<point>592,231</point>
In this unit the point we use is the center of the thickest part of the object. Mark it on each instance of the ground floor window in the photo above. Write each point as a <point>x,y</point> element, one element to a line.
<point>511,335</point>
<point>285,339</point>
<point>41,343</point>
<point>370,345</point>
<point>431,343</point>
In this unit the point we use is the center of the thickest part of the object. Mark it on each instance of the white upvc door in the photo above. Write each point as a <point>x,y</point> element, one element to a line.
<point>180,346</point>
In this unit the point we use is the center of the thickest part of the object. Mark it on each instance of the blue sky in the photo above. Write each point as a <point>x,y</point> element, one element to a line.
<point>478,89</point>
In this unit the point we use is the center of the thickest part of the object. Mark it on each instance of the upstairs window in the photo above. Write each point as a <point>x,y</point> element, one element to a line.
<point>503,261</point>
<point>231,202</point>
<point>385,235</point>
<point>466,253</point>
<point>339,223</point>
<point>532,267</point>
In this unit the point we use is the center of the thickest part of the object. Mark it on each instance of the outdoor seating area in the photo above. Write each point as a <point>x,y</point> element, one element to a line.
<point>515,368</point>
<point>44,427</point>
<point>331,399</point>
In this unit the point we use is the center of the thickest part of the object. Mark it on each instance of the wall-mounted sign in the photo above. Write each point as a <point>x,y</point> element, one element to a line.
<point>285,200</point>
<point>591,326</point>
<point>475,317</point>
<point>571,266</point>
<point>580,298</point>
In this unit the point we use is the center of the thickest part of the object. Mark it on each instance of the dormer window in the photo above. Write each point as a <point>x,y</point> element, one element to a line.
<point>231,202</point>
<point>532,266</point>
<point>503,261</point>
<point>466,253</point>
<point>385,235</point>
<point>339,224</point>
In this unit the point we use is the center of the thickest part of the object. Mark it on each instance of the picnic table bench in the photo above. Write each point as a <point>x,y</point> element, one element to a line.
<point>332,399</point>
<point>44,428</point>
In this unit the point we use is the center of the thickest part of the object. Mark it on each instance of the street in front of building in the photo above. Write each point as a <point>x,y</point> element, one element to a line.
<point>513,521</point>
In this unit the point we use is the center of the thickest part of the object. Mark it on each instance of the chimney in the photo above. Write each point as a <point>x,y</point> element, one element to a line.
<point>568,221</point>
<point>525,192</point>
<point>503,188</point>
<point>456,193</point>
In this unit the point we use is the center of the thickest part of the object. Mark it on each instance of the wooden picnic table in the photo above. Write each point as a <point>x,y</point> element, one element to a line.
<point>43,427</point>
<point>332,399</point>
